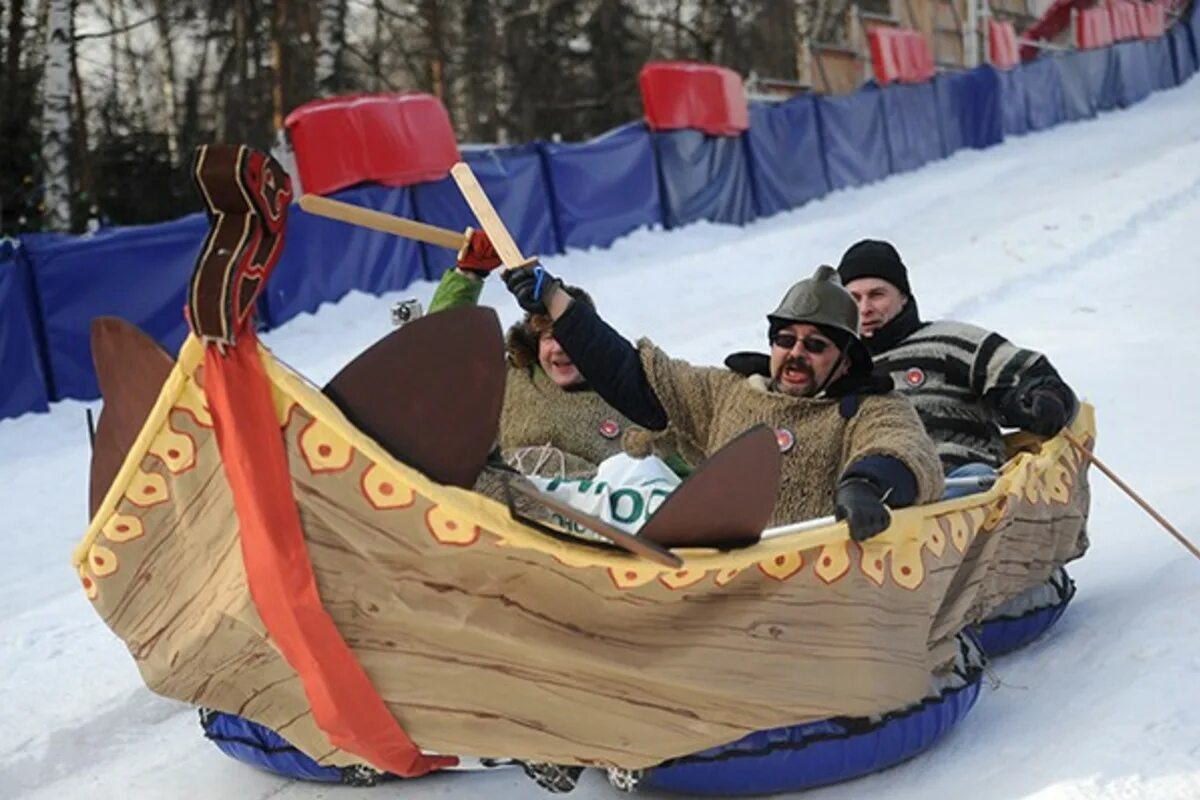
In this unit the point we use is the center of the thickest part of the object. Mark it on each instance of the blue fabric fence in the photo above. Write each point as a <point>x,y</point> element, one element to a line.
<point>555,196</point>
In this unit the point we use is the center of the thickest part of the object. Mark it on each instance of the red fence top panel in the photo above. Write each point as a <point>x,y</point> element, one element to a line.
<point>898,54</point>
<point>680,94</point>
<point>922,57</point>
<point>393,139</point>
<point>1093,29</point>
<point>1152,21</point>
<point>1002,44</point>
<point>1124,20</point>
<point>1054,19</point>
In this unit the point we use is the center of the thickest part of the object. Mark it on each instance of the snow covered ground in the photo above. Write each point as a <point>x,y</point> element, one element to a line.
<point>1079,241</point>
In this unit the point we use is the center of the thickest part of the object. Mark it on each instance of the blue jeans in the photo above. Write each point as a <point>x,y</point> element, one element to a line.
<point>974,469</point>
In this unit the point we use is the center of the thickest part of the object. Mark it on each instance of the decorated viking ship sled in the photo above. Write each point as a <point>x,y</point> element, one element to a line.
<point>345,567</point>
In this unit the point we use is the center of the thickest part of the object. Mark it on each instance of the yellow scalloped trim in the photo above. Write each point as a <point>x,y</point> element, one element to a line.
<point>475,512</point>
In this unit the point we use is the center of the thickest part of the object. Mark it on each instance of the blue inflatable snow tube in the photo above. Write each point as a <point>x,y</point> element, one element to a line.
<point>1025,618</point>
<point>824,752</point>
<point>259,746</point>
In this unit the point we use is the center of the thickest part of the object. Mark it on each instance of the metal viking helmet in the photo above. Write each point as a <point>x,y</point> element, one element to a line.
<point>822,301</point>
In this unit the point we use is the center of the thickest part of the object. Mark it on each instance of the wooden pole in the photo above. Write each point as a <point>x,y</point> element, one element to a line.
<point>489,219</point>
<point>379,221</point>
<point>1112,476</point>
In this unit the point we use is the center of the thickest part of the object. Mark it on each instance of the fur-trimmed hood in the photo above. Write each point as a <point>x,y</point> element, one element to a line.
<point>521,342</point>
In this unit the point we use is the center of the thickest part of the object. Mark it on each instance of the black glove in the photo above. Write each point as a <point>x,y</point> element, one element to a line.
<point>1040,406</point>
<point>746,363</point>
<point>860,503</point>
<point>531,286</point>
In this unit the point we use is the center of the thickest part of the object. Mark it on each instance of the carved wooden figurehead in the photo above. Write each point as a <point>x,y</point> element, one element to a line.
<point>246,193</point>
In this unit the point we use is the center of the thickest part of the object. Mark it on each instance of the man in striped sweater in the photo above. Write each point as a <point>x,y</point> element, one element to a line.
<point>966,382</point>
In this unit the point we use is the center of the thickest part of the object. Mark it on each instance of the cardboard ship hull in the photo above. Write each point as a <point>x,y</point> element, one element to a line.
<point>485,637</point>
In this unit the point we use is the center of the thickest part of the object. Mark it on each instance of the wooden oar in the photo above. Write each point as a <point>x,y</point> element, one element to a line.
<point>727,501</point>
<point>1112,476</point>
<point>131,369</point>
<point>489,219</point>
<point>381,221</point>
<point>430,393</point>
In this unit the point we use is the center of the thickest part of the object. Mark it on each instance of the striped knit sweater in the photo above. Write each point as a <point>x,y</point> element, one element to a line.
<point>957,376</point>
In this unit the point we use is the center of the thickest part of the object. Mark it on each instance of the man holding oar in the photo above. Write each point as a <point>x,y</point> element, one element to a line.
<point>850,443</point>
<point>547,402</point>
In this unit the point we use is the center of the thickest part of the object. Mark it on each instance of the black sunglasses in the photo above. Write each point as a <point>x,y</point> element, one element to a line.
<point>813,344</point>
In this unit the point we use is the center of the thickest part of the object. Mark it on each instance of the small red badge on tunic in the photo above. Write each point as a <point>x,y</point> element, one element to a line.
<point>610,429</point>
<point>914,377</point>
<point>785,438</point>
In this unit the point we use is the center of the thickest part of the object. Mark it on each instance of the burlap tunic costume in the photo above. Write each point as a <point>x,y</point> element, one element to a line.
<point>711,406</point>
<point>854,430</point>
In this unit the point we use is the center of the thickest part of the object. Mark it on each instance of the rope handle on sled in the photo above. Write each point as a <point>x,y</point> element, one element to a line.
<point>1112,476</point>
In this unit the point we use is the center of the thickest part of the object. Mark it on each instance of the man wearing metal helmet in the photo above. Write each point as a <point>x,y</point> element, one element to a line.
<point>849,443</point>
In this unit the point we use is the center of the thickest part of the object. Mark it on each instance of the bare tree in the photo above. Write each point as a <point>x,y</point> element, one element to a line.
<point>331,42</point>
<point>478,72</point>
<point>56,116</point>
<point>279,31</point>
<point>166,49</point>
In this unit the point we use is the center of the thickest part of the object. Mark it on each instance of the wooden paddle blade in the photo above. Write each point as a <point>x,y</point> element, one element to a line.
<point>131,369</point>
<point>430,393</point>
<point>626,541</point>
<point>727,501</point>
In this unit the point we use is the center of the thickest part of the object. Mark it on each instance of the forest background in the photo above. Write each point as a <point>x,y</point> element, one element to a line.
<point>102,102</point>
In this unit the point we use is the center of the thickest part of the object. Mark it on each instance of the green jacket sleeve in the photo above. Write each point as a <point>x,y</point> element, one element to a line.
<point>455,291</point>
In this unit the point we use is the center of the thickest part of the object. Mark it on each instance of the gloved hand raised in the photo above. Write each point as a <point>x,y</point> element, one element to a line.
<point>860,503</point>
<point>532,286</point>
<point>478,256</point>
<point>1039,407</point>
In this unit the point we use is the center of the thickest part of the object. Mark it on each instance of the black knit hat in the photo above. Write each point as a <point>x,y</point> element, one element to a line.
<point>872,258</point>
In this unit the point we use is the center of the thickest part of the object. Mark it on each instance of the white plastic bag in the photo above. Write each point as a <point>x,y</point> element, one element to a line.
<point>624,492</point>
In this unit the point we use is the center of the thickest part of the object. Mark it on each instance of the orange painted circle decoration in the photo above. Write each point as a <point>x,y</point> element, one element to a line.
<point>833,562</point>
<point>782,566</point>
<point>724,576</point>
<point>628,576</point>
<point>89,585</point>
<point>123,528</point>
<point>908,570</point>
<point>103,562</point>
<point>448,530</point>
<point>682,578</point>
<point>385,491</point>
<point>176,450</point>
<point>147,489</point>
<point>323,450</point>
<point>872,561</point>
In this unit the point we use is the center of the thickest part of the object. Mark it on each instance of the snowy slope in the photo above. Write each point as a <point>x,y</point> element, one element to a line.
<point>1078,241</point>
